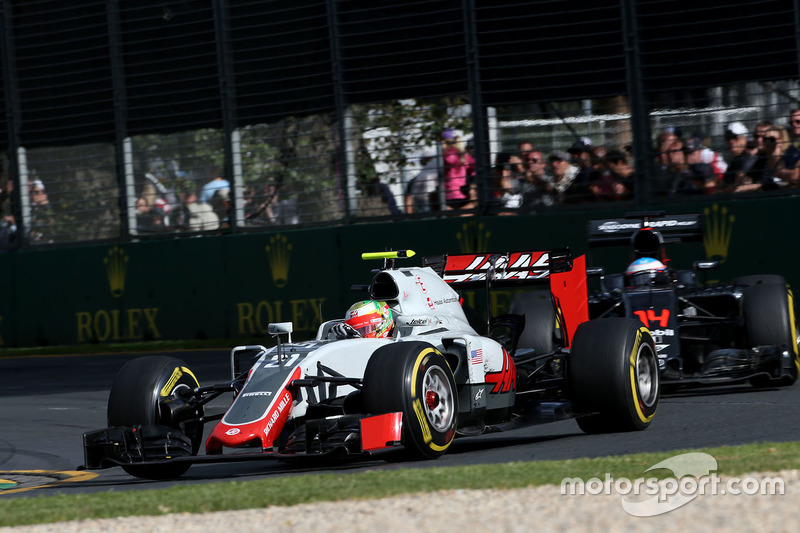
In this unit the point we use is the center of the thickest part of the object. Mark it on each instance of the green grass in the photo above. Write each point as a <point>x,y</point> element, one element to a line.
<point>290,490</point>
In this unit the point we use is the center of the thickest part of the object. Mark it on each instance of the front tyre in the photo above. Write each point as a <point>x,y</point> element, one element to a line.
<point>613,373</point>
<point>414,379</point>
<point>768,311</point>
<point>134,400</point>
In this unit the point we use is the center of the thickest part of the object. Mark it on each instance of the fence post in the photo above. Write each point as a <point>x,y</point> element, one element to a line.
<point>480,125</point>
<point>11,92</point>
<point>122,145</point>
<point>640,116</point>
<point>345,169</point>
<point>227,95</point>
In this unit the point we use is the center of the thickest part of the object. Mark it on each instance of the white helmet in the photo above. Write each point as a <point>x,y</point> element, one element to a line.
<point>643,271</point>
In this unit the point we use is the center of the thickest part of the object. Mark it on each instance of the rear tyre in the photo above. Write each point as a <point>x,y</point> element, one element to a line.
<point>414,379</point>
<point>613,373</point>
<point>134,399</point>
<point>540,320</point>
<point>768,311</point>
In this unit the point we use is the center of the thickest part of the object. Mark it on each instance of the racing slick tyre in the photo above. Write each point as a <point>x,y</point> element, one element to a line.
<point>134,401</point>
<point>414,379</point>
<point>613,375</point>
<point>768,311</point>
<point>540,320</point>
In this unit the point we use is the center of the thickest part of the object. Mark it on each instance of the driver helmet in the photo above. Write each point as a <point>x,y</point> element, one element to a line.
<point>643,271</point>
<point>371,319</point>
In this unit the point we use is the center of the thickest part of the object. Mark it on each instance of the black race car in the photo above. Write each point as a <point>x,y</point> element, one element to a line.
<point>705,334</point>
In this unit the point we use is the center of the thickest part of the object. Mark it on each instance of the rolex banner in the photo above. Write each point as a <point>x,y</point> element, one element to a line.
<point>233,286</point>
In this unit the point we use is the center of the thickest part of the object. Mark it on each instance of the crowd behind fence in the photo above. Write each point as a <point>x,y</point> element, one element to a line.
<point>368,152</point>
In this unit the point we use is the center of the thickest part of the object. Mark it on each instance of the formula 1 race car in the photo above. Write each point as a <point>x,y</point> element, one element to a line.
<point>743,330</point>
<point>432,379</point>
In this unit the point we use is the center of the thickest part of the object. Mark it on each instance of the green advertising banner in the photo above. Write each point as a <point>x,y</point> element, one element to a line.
<point>233,286</point>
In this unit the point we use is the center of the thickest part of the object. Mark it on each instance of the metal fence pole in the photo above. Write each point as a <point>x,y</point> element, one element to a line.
<point>227,95</point>
<point>480,125</point>
<point>343,115</point>
<point>796,10</point>
<point>11,91</point>
<point>640,117</point>
<point>122,144</point>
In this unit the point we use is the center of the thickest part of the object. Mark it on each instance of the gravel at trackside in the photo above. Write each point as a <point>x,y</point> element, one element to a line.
<point>524,510</point>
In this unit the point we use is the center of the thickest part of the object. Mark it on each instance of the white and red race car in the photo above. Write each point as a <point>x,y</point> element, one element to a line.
<point>434,379</point>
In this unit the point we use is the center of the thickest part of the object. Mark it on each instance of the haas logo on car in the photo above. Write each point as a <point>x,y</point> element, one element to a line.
<point>526,265</point>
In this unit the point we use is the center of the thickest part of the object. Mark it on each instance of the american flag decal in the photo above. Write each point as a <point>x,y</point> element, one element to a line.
<point>477,356</point>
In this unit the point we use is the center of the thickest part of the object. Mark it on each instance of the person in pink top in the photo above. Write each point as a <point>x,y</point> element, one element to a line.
<point>455,170</point>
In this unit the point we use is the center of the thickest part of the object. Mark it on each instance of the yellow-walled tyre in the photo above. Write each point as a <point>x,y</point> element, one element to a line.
<point>414,379</point>
<point>613,375</point>
<point>134,400</point>
<point>768,311</point>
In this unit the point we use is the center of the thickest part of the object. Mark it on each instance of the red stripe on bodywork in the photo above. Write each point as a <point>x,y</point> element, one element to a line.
<point>506,379</point>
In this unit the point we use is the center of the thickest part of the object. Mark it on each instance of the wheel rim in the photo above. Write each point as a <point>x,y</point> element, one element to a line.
<point>439,399</point>
<point>647,375</point>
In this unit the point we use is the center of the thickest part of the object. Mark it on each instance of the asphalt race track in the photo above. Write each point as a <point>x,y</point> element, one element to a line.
<point>46,403</point>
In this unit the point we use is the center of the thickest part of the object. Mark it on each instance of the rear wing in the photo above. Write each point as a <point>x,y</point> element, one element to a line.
<point>674,228</point>
<point>565,276</point>
<point>508,269</point>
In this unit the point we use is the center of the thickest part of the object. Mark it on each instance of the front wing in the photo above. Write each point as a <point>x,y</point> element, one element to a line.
<point>736,365</point>
<point>153,445</point>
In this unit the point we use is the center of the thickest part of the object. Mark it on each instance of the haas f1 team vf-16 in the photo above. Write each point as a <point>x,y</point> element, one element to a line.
<point>432,379</point>
<point>706,334</point>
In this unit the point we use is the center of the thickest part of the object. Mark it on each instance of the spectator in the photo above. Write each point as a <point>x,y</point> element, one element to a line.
<point>769,169</point>
<point>508,194</point>
<point>455,170</point>
<point>759,132</point>
<point>422,187</point>
<point>566,188</point>
<point>535,186</point>
<point>582,154</point>
<point>469,160</point>
<point>146,219</point>
<point>711,157</point>
<point>42,221</point>
<point>271,209</point>
<point>200,215</point>
<point>676,169</point>
<point>664,143</point>
<point>8,224</point>
<point>472,198</point>
<point>741,159</point>
<point>207,193</point>
<point>696,177</point>
<point>221,205</point>
<point>524,149</point>
<point>791,155</point>
<point>620,174</point>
